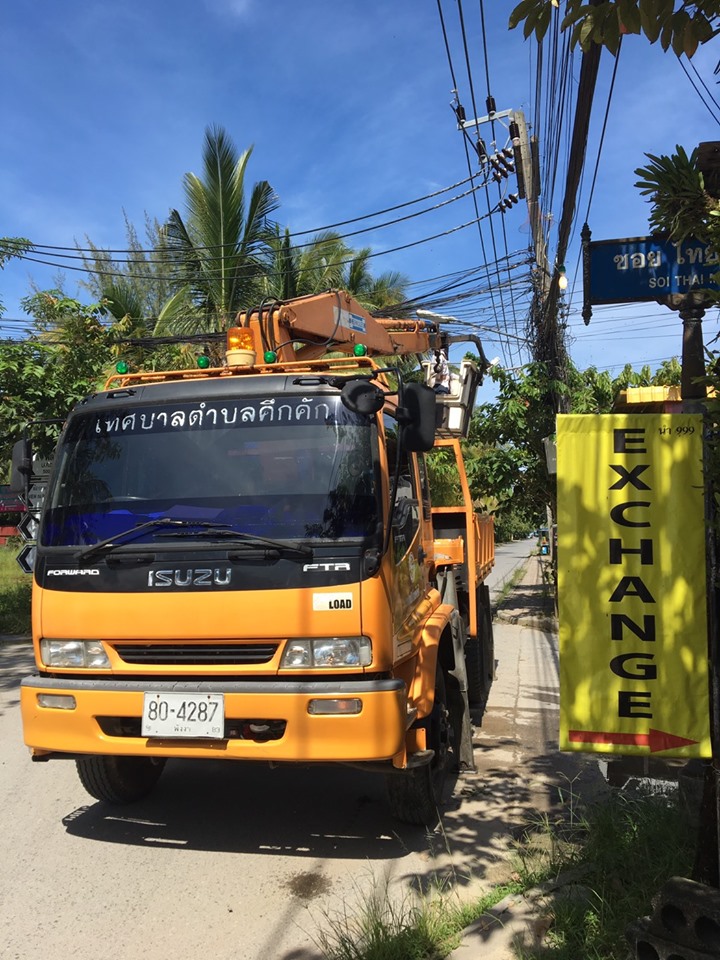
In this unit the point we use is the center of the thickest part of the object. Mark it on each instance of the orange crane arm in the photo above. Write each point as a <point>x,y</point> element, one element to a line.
<point>334,321</point>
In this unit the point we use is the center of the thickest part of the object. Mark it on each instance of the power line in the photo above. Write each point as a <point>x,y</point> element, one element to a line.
<point>168,253</point>
<point>327,227</point>
<point>698,92</point>
<point>248,272</point>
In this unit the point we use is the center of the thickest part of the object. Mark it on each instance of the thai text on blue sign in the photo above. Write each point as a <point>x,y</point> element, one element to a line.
<point>645,268</point>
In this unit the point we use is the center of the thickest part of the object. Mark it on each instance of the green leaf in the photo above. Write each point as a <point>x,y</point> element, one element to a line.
<point>532,19</point>
<point>611,34</point>
<point>704,30</point>
<point>629,16</point>
<point>575,38</point>
<point>600,16</point>
<point>666,35</point>
<point>650,27</point>
<point>680,22</point>
<point>543,22</point>
<point>690,40</point>
<point>572,16</point>
<point>586,31</point>
<point>521,11</point>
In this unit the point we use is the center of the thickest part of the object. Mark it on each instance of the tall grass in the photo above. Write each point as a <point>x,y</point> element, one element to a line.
<point>15,589</point>
<point>604,865</point>
<point>623,849</point>
<point>419,927</point>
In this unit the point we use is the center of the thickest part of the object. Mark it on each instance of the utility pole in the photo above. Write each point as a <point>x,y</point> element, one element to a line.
<point>526,159</point>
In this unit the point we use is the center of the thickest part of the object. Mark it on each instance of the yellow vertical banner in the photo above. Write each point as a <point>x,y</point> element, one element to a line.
<point>631,585</point>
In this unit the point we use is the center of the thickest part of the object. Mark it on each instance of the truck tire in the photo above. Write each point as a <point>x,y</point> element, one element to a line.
<point>480,660</point>
<point>415,793</point>
<point>474,671</point>
<point>119,780</point>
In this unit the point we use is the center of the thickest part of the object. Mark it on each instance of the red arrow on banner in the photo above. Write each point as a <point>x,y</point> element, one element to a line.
<point>657,740</point>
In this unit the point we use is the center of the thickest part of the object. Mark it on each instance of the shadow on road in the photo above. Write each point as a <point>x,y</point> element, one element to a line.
<point>317,812</point>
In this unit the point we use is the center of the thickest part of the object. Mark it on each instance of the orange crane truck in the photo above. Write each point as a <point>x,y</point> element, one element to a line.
<point>244,562</point>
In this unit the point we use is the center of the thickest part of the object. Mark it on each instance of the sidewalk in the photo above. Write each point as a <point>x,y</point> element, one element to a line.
<point>530,603</point>
<point>518,921</point>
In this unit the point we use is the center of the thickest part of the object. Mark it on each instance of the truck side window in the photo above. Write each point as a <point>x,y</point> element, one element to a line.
<point>406,518</point>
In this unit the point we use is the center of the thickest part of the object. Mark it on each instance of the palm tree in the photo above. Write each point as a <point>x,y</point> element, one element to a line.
<point>376,294</point>
<point>302,269</point>
<point>220,250</point>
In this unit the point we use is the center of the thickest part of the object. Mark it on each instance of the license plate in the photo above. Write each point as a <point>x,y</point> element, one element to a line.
<point>184,715</point>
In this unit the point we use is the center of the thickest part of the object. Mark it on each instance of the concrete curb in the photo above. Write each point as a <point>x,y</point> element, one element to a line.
<point>517,921</point>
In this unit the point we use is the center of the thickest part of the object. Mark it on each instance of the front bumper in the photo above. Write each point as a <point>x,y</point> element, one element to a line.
<point>107,715</point>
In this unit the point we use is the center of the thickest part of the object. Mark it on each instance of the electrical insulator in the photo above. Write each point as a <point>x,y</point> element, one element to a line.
<point>502,164</point>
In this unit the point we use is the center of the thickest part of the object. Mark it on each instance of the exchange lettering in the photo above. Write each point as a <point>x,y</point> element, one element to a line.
<point>632,514</point>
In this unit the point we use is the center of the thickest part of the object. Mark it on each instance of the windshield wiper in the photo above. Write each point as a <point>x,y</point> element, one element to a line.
<point>119,538</point>
<point>221,531</point>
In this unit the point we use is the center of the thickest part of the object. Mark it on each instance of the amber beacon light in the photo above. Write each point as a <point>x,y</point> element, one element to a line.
<point>241,350</point>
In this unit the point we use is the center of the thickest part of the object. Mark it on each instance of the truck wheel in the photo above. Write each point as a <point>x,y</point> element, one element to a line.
<point>415,793</point>
<point>474,671</point>
<point>480,660</point>
<point>119,779</point>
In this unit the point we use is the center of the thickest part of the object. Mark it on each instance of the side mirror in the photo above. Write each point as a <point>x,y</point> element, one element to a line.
<point>418,417</point>
<point>361,396</point>
<point>21,466</point>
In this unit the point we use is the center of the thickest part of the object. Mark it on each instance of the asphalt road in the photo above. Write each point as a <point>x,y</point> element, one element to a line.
<point>241,862</point>
<point>510,559</point>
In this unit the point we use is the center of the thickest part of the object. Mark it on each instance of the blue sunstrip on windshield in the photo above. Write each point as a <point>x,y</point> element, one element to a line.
<point>268,516</point>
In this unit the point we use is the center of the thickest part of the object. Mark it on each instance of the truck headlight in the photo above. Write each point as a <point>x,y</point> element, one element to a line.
<point>310,652</point>
<point>86,654</point>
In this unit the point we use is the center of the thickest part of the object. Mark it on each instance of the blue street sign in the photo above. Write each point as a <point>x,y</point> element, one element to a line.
<point>644,268</point>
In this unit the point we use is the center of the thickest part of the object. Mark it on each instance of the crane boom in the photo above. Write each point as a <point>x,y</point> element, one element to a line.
<point>307,327</point>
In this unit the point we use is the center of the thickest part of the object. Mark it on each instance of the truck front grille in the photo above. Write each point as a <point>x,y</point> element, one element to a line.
<point>196,654</point>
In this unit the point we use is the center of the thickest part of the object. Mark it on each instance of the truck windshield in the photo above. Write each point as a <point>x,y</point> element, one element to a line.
<point>290,467</point>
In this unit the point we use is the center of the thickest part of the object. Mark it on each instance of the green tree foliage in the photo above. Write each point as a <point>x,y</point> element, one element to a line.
<point>676,24</point>
<point>374,293</point>
<point>223,255</point>
<point>134,283</point>
<point>42,377</point>
<point>681,206</point>
<point>326,262</point>
<point>298,270</point>
<point>11,247</point>
<point>221,248</point>
<point>505,451</point>
<point>675,188</point>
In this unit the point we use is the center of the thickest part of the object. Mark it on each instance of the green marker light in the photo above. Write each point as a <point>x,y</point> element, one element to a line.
<point>269,356</point>
<point>360,350</point>
<point>121,366</point>
<point>203,362</point>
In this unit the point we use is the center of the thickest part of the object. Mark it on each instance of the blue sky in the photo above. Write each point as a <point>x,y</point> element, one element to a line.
<point>347,107</point>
